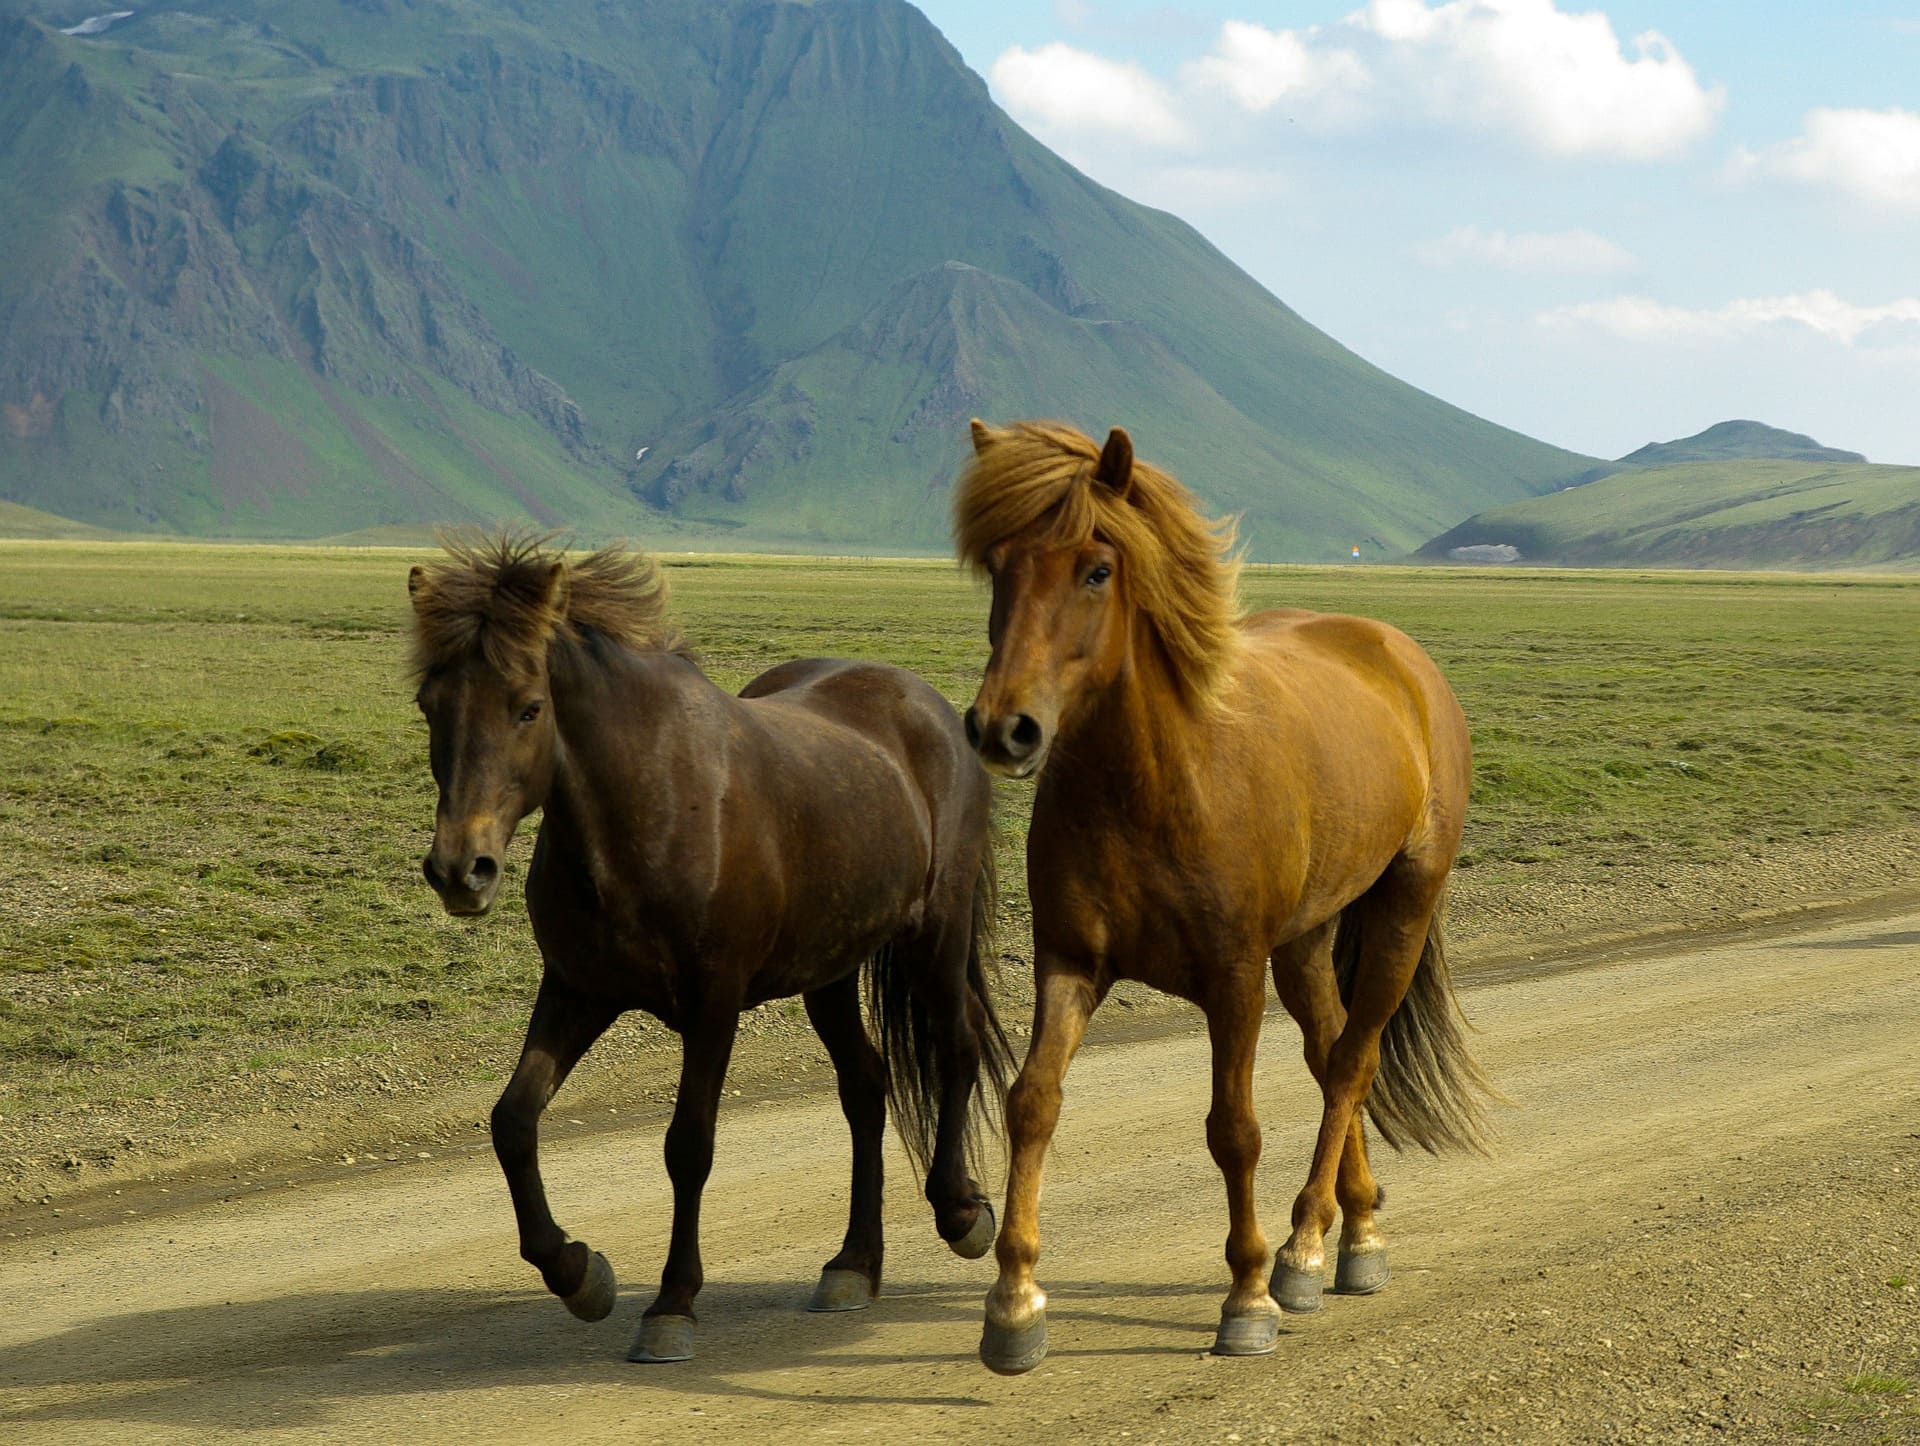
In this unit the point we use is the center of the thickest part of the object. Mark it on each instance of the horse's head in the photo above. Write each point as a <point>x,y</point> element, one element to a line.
<point>482,661</point>
<point>1060,625</point>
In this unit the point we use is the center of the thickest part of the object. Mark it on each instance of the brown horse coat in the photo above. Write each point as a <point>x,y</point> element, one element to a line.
<point>701,853</point>
<point>1216,793</point>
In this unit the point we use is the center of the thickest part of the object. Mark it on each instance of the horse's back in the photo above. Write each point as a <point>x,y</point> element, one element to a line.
<point>1373,704</point>
<point>1343,656</point>
<point>878,700</point>
<point>884,705</point>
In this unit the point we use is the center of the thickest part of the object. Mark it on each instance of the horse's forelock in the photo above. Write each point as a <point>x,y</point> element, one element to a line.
<point>507,595</point>
<point>1037,480</point>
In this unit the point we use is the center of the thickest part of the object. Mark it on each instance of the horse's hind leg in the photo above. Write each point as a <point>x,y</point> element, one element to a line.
<point>564,1025</point>
<point>1394,915</point>
<point>958,1024</point>
<point>706,1043</point>
<point>1303,973</point>
<point>1249,1321</point>
<point>851,1279</point>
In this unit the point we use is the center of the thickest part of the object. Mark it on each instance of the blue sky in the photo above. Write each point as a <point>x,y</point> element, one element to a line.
<point>1600,225</point>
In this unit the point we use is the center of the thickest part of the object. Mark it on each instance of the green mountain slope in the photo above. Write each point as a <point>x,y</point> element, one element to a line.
<point>1729,441</point>
<point>1745,513</point>
<point>300,267</point>
<point>18,521</point>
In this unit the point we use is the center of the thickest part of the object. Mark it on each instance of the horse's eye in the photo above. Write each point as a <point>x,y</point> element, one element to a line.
<point>1099,575</point>
<point>531,711</point>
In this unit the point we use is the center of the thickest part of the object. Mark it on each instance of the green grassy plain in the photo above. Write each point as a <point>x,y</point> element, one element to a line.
<point>214,795</point>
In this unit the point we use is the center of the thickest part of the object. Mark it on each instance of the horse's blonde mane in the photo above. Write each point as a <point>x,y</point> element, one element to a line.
<point>1038,480</point>
<point>505,595</point>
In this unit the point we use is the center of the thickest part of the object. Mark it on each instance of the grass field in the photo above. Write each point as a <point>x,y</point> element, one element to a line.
<point>214,797</point>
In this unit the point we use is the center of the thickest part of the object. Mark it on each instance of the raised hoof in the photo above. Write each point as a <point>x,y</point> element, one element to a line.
<point>841,1290</point>
<point>1246,1335</point>
<point>979,1240</point>
<point>1014,1352</point>
<point>1361,1274</point>
<point>1296,1291</point>
<point>663,1338</point>
<point>597,1293</point>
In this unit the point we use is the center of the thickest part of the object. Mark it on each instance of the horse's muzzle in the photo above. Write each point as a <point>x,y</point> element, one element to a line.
<point>1012,745</point>
<point>466,887</point>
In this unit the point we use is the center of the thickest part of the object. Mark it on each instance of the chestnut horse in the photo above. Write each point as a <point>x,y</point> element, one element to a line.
<point>1215,792</point>
<point>700,853</point>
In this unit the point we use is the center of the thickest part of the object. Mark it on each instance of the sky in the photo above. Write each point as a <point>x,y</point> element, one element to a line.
<point>1599,226</point>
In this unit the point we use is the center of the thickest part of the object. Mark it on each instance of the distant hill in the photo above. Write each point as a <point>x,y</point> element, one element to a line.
<point>687,269</point>
<point>31,522</point>
<point>1746,513</point>
<point>1726,441</point>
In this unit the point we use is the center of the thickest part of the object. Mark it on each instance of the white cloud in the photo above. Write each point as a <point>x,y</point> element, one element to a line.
<point>1575,252</point>
<point>1521,70</point>
<point>1894,324</point>
<point>1077,95</point>
<point>1258,68</point>
<point>1871,155</point>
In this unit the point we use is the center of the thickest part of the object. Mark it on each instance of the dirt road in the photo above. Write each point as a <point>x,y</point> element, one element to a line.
<point>1702,1220</point>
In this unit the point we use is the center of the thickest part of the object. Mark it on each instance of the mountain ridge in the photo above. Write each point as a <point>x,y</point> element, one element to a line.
<point>304,268</point>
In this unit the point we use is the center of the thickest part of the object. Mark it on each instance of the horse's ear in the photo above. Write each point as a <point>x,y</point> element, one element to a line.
<point>982,434</point>
<point>417,585</point>
<point>1115,471</point>
<point>559,592</point>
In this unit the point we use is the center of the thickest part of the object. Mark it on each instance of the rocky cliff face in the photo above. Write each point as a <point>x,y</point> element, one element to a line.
<point>306,265</point>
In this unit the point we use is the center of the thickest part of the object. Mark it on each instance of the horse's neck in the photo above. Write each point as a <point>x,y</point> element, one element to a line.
<point>616,722</point>
<point>1135,749</point>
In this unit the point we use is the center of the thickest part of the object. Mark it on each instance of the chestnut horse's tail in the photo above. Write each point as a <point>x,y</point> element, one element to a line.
<point>905,1033</point>
<point>1429,1089</point>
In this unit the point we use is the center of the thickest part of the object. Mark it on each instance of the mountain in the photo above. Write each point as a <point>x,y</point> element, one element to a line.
<point>30,522</point>
<point>1743,513</point>
<point>1725,441</point>
<point>686,269</point>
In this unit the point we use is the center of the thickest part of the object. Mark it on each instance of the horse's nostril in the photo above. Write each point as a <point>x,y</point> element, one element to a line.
<point>1026,733</point>
<point>483,873</point>
<point>972,721</point>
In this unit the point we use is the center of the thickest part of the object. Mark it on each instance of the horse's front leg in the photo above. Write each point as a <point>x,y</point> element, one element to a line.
<point>706,1043</point>
<point>1249,1321</point>
<point>1015,1337</point>
<point>563,1026</point>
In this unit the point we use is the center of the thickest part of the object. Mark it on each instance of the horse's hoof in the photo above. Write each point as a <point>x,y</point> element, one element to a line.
<point>663,1338</point>
<point>1296,1291</point>
<point>979,1240</point>
<point>1008,1352</point>
<point>597,1291</point>
<point>1247,1335</point>
<point>1360,1274</point>
<point>842,1290</point>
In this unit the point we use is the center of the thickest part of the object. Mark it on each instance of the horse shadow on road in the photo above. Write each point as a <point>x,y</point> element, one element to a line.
<point>291,1362</point>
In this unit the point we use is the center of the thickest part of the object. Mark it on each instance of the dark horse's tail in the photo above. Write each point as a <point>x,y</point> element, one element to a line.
<point>1428,1090</point>
<point>915,1082</point>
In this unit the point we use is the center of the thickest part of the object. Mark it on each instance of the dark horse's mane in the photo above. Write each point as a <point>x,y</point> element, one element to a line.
<point>1181,568</point>
<point>506,595</point>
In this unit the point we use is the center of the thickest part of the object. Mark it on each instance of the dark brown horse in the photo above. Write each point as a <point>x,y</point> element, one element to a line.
<point>1218,792</point>
<point>700,853</point>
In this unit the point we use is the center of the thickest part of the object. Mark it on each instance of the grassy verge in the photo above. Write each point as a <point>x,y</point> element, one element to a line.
<point>214,796</point>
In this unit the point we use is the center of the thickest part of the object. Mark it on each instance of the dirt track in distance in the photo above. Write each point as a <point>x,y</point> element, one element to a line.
<point>1702,1221</point>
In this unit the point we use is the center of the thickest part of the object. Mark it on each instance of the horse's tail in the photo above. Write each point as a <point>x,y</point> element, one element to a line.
<point>1429,1090</point>
<point>905,1034</point>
